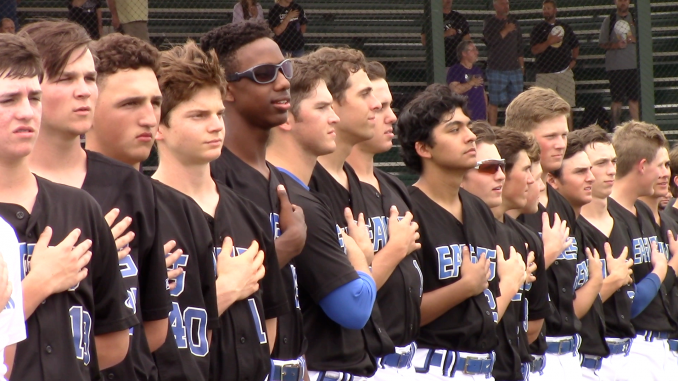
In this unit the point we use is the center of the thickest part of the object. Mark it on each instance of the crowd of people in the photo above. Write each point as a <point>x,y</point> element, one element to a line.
<point>555,47</point>
<point>268,245</point>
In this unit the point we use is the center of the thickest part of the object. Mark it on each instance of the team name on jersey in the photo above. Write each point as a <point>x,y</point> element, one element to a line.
<point>26,252</point>
<point>662,247</point>
<point>449,259</point>
<point>642,251</point>
<point>378,231</point>
<point>275,224</point>
<point>569,254</point>
<point>129,269</point>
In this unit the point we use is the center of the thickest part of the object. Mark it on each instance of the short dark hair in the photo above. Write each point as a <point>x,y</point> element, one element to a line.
<point>226,40</point>
<point>302,83</point>
<point>56,41</point>
<point>19,57</point>
<point>185,70</point>
<point>574,145</point>
<point>119,52</point>
<point>509,144</point>
<point>591,135</point>
<point>375,70</point>
<point>483,132</point>
<point>336,66</point>
<point>461,48</point>
<point>549,1</point>
<point>421,115</point>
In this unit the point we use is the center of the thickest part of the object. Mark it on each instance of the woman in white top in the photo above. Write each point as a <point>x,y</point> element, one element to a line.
<point>245,10</point>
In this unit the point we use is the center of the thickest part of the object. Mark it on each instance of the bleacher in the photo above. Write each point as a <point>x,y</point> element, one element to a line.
<point>389,31</point>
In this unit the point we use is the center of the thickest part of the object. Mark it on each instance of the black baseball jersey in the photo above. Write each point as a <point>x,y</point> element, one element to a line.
<point>240,349</point>
<point>117,185</point>
<point>399,298</point>
<point>567,273</point>
<point>665,225</point>
<point>641,232</point>
<point>185,354</point>
<point>471,325</point>
<point>617,309</point>
<point>512,350</point>
<point>536,294</point>
<point>338,198</point>
<point>322,267</point>
<point>671,213</point>
<point>249,183</point>
<point>60,334</point>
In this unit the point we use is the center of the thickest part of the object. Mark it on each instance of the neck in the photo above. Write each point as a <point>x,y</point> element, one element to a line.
<point>58,157</point>
<point>334,162</point>
<point>467,64</point>
<point>285,153</point>
<point>499,211</point>
<point>625,193</point>
<point>501,16</point>
<point>622,13</point>
<point>246,142</point>
<point>653,203</point>
<point>441,186</point>
<point>192,180</point>
<point>362,163</point>
<point>92,143</point>
<point>17,184</point>
<point>596,209</point>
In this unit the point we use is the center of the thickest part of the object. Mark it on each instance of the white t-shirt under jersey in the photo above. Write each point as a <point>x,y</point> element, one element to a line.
<point>12,323</point>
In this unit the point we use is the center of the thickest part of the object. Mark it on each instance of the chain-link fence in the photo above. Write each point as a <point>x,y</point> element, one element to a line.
<point>610,64</point>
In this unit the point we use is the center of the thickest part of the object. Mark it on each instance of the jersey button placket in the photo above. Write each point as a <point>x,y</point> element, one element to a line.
<point>20,215</point>
<point>111,376</point>
<point>242,339</point>
<point>285,340</point>
<point>48,349</point>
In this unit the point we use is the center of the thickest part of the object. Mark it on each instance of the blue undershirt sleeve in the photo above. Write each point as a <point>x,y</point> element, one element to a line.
<point>646,290</point>
<point>351,305</point>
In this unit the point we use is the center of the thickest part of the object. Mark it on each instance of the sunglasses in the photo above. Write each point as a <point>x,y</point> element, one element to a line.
<point>491,166</point>
<point>263,74</point>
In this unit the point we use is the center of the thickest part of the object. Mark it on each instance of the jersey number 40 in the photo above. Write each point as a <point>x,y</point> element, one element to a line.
<point>190,329</point>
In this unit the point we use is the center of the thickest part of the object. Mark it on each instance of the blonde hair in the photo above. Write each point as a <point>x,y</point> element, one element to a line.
<point>634,141</point>
<point>534,106</point>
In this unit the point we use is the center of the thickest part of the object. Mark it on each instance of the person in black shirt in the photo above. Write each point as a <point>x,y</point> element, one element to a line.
<point>336,288</point>
<point>638,170</point>
<point>401,275</point>
<point>456,30</point>
<point>88,14</point>
<point>288,21</point>
<point>556,48</point>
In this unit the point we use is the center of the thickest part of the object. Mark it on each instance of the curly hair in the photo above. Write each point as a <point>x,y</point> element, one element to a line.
<point>56,41</point>
<point>185,70</point>
<point>421,116</point>
<point>118,52</point>
<point>336,66</point>
<point>226,40</point>
<point>19,57</point>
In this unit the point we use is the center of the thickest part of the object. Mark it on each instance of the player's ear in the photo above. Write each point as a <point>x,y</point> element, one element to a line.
<point>675,180</point>
<point>228,94</point>
<point>162,127</point>
<point>552,180</point>
<point>423,150</point>
<point>641,165</point>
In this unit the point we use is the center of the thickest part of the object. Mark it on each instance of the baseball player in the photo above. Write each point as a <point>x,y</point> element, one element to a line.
<point>671,212</point>
<point>401,275</point>
<point>115,186</point>
<point>458,237</point>
<point>609,238</point>
<point>242,165</point>
<point>336,290</point>
<point>74,308</point>
<point>487,182</point>
<point>542,113</point>
<point>189,138</point>
<point>637,145</point>
<point>12,326</point>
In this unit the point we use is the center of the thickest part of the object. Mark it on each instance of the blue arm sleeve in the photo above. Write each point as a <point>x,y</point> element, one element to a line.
<point>646,290</point>
<point>351,305</point>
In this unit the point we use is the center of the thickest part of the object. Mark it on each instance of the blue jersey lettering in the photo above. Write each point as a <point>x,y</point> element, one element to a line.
<point>275,225</point>
<point>81,328</point>
<point>570,254</point>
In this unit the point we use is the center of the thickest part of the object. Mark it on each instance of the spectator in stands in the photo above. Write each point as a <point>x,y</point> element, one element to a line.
<point>556,48</point>
<point>88,14</point>
<point>456,30</point>
<point>618,38</point>
<point>7,26</point>
<point>466,79</point>
<point>131,16</point>
<point>288,21</point>
<point>247,10</point>
<point>505,63</point>
<point>8,10</point>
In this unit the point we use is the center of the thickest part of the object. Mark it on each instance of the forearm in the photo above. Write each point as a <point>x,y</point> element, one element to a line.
<point>521,61</point>
<point>111,348</point>
<point>575,53</point>
<point>436,303</point>
<point>278,30</point>
<point>646,290</point>
<point>10,351</point>
<point>610,286</point>
<point>609,45</point>
<point>303,29</point>
<point>112,7</point>
<point>534,329</point>
<point>507,291</point>
<point>540,48</point>
<point>272,331</point>
<point>586,295</point>
<point>284,249</point>
<point>384,263</point>
<point>35,292</point>
<point>461,88</point>
<point>226,295</point>
<point>156,333</point>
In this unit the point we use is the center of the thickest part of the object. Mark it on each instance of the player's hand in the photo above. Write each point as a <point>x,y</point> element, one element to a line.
<point>477,274</point>
<point>673,250</point>
<point>291,15</point>
<point>595,264</point>
<point>658,259</point>
<point>292,222</point>
<point>358,231</point>
<point>5,284</point>
<point>555,237</point>
<point>531,268</point>
<point>122,241</point>
<point>450,32</point>
<point>476,81</point>
<point>511,271</point>
<point>402,233</point>
<point>631,39</point>
<point>620,268</point>
<point>170,259</point>
<point>62,266</point>
<point>240,274</point>
<point>554,39</point>
<point>509,27</point>
<point>621,44</point>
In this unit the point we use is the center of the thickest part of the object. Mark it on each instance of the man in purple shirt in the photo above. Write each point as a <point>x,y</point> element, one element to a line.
<point>466,79</point>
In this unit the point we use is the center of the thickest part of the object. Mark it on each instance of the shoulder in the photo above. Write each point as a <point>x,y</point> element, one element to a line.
<point>111,169</point>
<point>237,7</point>
<point>234,200</point>
<point>65,196</point>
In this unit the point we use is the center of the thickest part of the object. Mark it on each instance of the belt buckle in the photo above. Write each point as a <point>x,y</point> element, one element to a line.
<point>467,360</point>
<point>286,366</point>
